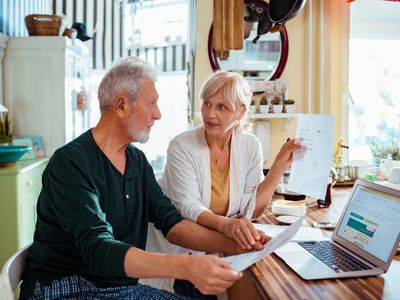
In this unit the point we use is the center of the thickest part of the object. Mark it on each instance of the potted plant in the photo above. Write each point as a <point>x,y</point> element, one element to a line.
<point>290,107</point>
<point>380,150</point>
<point>277,106</point>
<point>252,107</point>
<point>264,106</point>
<point>5,130</point>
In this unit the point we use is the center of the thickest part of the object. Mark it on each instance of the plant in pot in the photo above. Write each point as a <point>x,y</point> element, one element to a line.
<point>252,107</point>
<point>277,106</point>
<point>289,105</point>
<point>264,106</point>
<point>5,130</point>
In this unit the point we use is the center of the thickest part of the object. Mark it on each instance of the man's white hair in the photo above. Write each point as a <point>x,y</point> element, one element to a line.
<point>124,78</point>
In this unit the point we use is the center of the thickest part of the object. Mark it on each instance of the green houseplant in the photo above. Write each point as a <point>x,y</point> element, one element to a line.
<point>252,107</point>
<point>382,150</point>
<point>289,106</point>
<point>288,102</point>
<point>5,129</point>
<point>277,106</point>
<point>264,107</point>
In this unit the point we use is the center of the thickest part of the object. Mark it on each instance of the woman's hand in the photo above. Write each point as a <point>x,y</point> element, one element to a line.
<point>242,231</point>
<point>259,245</point>
<point>284,157</point>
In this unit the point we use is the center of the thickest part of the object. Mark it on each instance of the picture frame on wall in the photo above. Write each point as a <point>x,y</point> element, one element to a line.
<point>37,144</point>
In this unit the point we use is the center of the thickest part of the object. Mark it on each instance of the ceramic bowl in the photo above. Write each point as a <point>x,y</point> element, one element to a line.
<point>293,196</point>
<point>10,154</point>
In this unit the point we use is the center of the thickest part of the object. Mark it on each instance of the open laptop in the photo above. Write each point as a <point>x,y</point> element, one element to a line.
<point>363,243</point>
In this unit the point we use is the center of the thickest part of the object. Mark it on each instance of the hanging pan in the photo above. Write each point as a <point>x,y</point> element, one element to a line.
<point>281,11</point>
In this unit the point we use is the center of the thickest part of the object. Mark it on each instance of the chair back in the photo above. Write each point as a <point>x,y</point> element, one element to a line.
<point>12,272</point>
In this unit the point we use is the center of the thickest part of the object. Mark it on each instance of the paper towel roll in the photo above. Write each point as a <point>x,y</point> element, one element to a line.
<point>262,131</point>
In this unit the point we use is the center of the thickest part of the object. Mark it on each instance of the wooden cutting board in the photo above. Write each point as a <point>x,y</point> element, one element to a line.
<point>228,24</point>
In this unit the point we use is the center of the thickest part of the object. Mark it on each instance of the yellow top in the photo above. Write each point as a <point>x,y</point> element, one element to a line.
<point>219,189</point>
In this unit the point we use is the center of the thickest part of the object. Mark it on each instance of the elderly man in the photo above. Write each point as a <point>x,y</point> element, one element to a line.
<point>99,193</point>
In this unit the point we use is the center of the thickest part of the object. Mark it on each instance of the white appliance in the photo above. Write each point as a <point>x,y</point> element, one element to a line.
<point>43,79</point>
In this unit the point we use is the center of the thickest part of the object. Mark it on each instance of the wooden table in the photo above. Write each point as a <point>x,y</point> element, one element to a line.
<point>273,279</point>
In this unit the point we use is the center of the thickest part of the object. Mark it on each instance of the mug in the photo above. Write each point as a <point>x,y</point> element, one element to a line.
<point>394,176</point>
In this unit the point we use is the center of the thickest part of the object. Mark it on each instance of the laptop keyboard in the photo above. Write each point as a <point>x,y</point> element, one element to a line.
<point>333,256</point>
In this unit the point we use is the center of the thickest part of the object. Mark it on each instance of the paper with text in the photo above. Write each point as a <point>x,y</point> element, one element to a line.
<point>304,233</point>
<point>309,174</point>
<point>243,261</point>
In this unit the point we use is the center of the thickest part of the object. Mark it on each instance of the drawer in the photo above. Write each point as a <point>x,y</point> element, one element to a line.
<point>30,182</point>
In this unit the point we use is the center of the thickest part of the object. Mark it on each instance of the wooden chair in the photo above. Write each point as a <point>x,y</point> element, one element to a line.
<point>11,273</point>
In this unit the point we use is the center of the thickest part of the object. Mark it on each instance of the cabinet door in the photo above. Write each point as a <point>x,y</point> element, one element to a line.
<point>29,186</point>
<point>27,213</point>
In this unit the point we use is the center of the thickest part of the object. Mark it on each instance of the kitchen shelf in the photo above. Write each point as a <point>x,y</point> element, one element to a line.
<point>287,116</point>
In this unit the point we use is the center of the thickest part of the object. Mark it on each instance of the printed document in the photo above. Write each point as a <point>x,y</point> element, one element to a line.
<point>309,173</point>
<point>243,261</point>
<point>304,233</point>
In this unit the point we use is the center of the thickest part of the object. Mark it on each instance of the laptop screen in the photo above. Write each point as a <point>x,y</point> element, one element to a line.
<point>371,221</point>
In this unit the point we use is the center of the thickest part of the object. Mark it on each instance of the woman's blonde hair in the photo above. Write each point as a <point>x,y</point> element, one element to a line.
<point>232,87</point>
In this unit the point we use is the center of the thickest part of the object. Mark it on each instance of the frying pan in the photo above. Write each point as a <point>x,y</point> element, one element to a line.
<point>282,10</point>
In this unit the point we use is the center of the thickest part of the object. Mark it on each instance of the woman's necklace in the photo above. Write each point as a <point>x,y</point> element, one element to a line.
<point>221,158</point>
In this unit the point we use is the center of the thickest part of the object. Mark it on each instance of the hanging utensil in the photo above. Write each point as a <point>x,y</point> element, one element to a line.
<point>281,11</point>
<point>264,25</point>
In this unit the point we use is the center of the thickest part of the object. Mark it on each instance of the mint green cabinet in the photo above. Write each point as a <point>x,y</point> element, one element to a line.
<point>19,190</point>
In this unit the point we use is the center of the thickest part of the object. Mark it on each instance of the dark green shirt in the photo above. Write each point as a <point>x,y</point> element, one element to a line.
<point>89,214</point>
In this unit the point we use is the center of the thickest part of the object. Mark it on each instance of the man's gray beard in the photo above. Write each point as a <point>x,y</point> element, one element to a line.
<point>141,136</point>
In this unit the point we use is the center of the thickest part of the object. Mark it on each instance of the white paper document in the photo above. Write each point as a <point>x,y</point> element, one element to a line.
<point>243,261</point>
<point>309,174</point>
<point>304,233</point>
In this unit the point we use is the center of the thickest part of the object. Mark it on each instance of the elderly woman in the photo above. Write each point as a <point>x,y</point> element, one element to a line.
<point>214,172</point>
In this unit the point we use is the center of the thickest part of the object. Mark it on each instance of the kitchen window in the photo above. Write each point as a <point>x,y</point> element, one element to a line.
<point>159,31</point>
<point>374,76</point>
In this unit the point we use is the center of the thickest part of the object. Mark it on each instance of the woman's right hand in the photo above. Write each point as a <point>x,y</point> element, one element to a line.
<point>242,231</point>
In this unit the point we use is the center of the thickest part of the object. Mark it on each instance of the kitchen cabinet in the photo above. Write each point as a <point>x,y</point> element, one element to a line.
<point>45,78</point>
<point>20,186</point>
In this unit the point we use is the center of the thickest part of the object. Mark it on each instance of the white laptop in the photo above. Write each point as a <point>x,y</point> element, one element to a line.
<point>363,244</point>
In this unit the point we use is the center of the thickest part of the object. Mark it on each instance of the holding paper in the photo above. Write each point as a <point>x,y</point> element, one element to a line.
<point>243,261</point>
<point>309,174</point>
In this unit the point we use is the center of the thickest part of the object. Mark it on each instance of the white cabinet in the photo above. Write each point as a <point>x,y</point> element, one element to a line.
<point>43,79</point>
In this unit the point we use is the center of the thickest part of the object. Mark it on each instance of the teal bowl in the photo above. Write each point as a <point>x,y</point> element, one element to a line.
<point>10,154</point>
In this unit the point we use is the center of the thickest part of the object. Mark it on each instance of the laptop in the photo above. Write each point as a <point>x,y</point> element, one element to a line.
<point>363,244</point>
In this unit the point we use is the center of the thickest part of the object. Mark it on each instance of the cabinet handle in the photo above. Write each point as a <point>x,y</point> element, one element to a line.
<point>29,183</point>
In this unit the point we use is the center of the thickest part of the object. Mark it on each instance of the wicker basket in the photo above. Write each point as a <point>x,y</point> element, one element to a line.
<point>52,25</point>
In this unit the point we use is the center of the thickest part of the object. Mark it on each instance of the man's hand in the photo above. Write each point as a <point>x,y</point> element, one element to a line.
<point>242,231</point>
<point>210,274</point>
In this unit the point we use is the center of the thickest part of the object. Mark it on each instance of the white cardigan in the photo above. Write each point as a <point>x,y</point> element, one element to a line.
<point>187,182</point>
